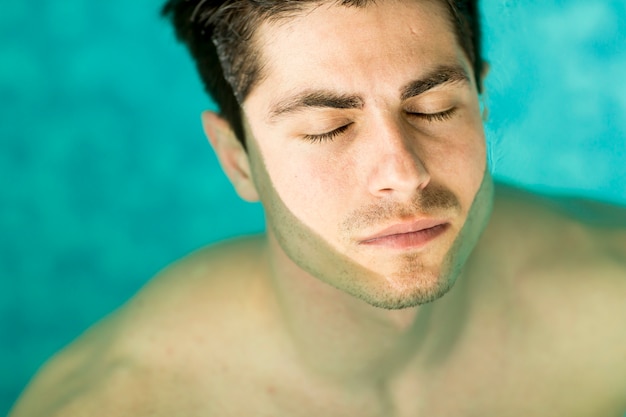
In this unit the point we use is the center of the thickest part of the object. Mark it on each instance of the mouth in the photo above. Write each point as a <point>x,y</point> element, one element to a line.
<point>408,236</point>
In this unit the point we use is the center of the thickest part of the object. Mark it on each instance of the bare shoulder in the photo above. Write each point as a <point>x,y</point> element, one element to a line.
<point>145,359</point>
<point>568,231</point>
<point>570,247</point>
<point>570,288</point>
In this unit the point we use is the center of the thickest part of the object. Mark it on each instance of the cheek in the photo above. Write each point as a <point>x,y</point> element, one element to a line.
<point>465,161</point>
<point>314,188</point>
<point>460,163</point>
<point>469,171</point>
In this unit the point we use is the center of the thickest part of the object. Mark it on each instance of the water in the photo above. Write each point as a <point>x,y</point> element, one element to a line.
<point>106,176</point>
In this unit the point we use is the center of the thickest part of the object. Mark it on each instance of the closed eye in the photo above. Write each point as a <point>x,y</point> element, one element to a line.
<point>436,117</point>
<point>328,136</point>
<point>429,117</point>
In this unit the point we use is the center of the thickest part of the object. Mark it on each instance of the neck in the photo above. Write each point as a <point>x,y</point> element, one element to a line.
<point>342,338</point>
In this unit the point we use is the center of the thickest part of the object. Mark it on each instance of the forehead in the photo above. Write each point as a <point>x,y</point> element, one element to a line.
<point>328,45</point>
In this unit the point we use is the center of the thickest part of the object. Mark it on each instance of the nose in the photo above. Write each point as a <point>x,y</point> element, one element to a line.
<point>397,170</point>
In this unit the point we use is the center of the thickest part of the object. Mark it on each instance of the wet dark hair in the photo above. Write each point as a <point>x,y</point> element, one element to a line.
<point>220,38</point>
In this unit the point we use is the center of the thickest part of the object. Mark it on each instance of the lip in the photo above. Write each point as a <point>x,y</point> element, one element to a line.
<point>409,234</point>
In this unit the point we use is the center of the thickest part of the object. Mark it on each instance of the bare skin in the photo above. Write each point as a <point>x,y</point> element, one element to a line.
<point>309,320</point>
<point>536,333</point>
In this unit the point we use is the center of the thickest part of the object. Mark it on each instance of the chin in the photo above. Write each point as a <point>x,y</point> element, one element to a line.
<point>403,289</point>
<point>393,298</point>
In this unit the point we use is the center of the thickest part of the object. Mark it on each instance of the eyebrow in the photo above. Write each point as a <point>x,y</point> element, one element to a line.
<point>329,99</point>
<point>447,74</point>
<point>315,99</point>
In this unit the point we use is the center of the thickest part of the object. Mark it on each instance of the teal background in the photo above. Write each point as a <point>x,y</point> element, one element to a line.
<point>106,176</point>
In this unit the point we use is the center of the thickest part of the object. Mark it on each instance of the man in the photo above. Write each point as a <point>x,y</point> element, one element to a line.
<point>395,278</point>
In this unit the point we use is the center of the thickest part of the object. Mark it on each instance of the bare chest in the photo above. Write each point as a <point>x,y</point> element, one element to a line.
<point>491,373</point>
<point>496,383</point>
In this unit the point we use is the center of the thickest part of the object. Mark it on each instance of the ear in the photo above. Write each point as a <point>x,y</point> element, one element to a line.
<point>231,154</point>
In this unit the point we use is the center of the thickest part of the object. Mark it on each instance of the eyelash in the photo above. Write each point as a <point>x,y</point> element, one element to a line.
<point>328,136</point>
<point>429,117</point>
<point>436,117</point>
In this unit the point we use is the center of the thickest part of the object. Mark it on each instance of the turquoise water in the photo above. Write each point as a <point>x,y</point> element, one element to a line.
<point>106,176</point>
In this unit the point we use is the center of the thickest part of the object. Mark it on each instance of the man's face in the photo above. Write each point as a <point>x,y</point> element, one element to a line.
<point>366,119</point>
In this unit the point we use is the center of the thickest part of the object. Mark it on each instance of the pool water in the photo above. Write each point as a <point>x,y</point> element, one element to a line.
<point>106,176</point>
